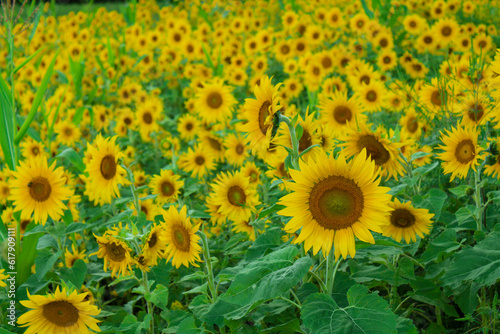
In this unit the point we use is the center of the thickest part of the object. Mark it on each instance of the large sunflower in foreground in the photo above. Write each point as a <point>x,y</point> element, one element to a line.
<point>260,112</point>
<point>407,222</point>
<point>105,174</point>
<point>214,102</point>
<point>461,151</point>
<point>59,313</point>
<point>180,235</point>
<point>39,188</point>
<point>333,201</point>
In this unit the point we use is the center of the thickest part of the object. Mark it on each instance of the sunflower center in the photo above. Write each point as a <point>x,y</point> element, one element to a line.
<point>305,141</point>
<point>181,238</point>
<point>436,98</point>
<point>40,189</point>
<point>214,144</point>
<point>412,124</point>
<point>342,114</point>
<point>189,126</point>
<point>285,49</point>
<point>147,117</point>
<point>239,149</point>
<point>336,202</point>
<point>115,252</point>
<point>144,209</point>
<point>364,79</point>
<point>446,31</point>
<point>35,150</point>
<point>253,176</point>
<point>236,196</point>
<point>375,150</point>
<point>127,120</point>
<point>263,114</point>
<point>371,96</point>
<point>108,167</point>
<point>24,224</point>
<point>465,151</point>
<point>214,100</point>
<point>199,160</point>
<point>152,241</point>
<point>167,188</point>
<point>326,62</point>
<point>476,112</point>
<point>61,313</point>
<point>402,218</point>
<point>68,132</point>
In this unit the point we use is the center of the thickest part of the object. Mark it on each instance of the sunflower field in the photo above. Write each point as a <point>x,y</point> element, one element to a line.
<point>282,166</point>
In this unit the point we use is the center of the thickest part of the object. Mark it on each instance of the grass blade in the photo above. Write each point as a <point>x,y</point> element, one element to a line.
<point>28,59</point>
<point>7,125</point>
<point>38,100</point>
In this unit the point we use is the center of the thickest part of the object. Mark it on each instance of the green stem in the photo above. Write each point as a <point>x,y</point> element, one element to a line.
<point>331,271</point>
<point>295,142</point>
<point>148,303</point>
<point>320,281</point>
<point>208,265</point>
<point>291,302</point>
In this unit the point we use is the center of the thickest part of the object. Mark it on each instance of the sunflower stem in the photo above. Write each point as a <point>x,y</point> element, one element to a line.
<point>320,281</point>
<point>331,271</point>
<point>208,265</point>
<point>148,303</point>
<point>295,142</point>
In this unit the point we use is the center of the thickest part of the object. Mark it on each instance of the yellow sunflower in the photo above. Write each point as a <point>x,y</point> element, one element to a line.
<point>167,186</point>
<point>155,245</point>
<point>181,239</point>
<point>407,222</point>
<point>116,254</point>
<point>214,102</point>
<point>59,313</point>
<point>188,126</point>
<point>39,188</point>
<point>461,151</point>
<point>333,201</point>
<point>105,174</point>
<point>197,161</point>
<point>245,227</point>
<point>3,278</point>
<point>236,149</point>
<point>493,169</point>
<point>382,151</point>
<point>260,113</point>
<point>235,196</point>
<point>337,111</point>
<point>72,256</point>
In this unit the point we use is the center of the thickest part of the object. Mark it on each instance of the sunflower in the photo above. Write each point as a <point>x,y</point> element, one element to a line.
<point>59,313</point>
<point>236,149</point>
<point>188,126</point>
<point>39,188</point>
<point>181,239</point>
<point>148,207</point>
<point>251,171</point>
<point>71,257</point>
<point>167,186</point>
<point>337,111</point>
<point>260,113</point>
<point>461,151</point>
<point>32,149</point>
<point>147,116</point>
<point>371,95</point>
<point>407,222</point>
<point>475,110</point>
<point>214,102</point>
<point>235,196</point>
<point>493,168</point>
<point>116,254</point>
<point>4,192</point>
<point>411,124</point>
<point>245,227</point>
<point>333,201</point>
<point>105,174</point>
<point>212,144</point>
<point>197,161</point>
<point>155,245</point>
<point>382,151</point>
<point>446,30</point>
<point>67,133</point>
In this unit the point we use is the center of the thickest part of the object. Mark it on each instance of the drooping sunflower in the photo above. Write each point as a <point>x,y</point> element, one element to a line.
<point>105,174</point>
<point>235,196</point>
<point>39,188</point>
<point>407,222</point>
<point>181,238</point>
<point>116,254</point>
<point>59,313</point>
<point>214,102</point>
<point>167,186</point>
<point>493,169</point>
<point>382,151</point>
<point>461,151</point>
<point>333,201</point>
<point>260,113</point>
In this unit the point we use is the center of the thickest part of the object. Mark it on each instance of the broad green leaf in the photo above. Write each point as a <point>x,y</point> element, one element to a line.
<point>480,264</point>
<point>368,12</point>
<point>406,326</point>
<point>7,125</point>
<point>367,313</point>
<point>159,296</point>
<point>37,101</point>
<point>26,258</point>
<point>44,262</point>
<point>444,244</point>
<point>428,292</point>
<point>75,274</point>
<point>188,326</point>
<point>74,158</point>
<point>466,297</point>
<point>269,240</point>
<point>434,202</point>
<point>465,213</point>
<point>292,326</point>
<point>459,191</point>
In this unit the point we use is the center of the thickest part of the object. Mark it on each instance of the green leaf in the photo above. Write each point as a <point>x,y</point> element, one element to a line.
<point>367,313</point>
<point>418,155</point>
<point>45,260</point>
<point>406,326</point>
<point>444,244</point>
<point>77,69</point>
<point>159,296</point>
<point>271,239</point>
<point>27,60</point>
<point>435,202</point>
<point>465,213</point>
<point>368,12</point>
<point>26,257</point>
<point>269,211</point>
<point>37,101</point>
<point>459,191</point>
<point>74,158</point>
<point>425,169</point>
<point>7,125</point>
<point>428,292</point>
<point>480,264</point>
<point>75,274</point>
